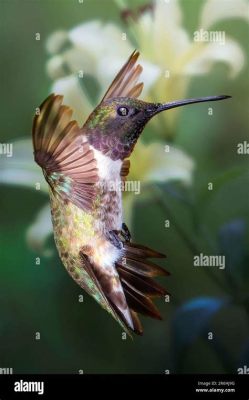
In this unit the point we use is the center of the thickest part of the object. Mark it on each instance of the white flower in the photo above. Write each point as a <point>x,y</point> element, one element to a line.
<point>21,170</point>
<point>163,40</point>
<point>170,55</point>
<point>155,162</point>
<point>98,50</point>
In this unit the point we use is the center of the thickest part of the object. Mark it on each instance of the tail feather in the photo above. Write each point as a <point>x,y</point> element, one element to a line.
<point>143,267</point>
<point>140,251</point>
<point>128,289</point>
<point>145,285</point>
<point>140,303</point>
<point>136,277</point>
<point>138,329</point>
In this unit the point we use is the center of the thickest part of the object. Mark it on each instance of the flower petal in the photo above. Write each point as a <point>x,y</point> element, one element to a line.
<point>214,11</point>
<point>97,38</point>
<point>151,163</point>
<point>21,169</point>
<point>56,67</point>
<point>160,35</point>
<point>168,13</point>
<point>84,48</point>
<point>229,53</point>
<point>166,166</point>
<point>169,34</point>
<point>74,97</point>
<point>57,41</point>
<point>101,59</point>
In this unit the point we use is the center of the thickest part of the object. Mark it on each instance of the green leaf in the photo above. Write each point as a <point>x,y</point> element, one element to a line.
<point>232,242</point>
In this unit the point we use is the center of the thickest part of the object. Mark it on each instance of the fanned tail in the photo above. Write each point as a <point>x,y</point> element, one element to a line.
<point>136,273</point>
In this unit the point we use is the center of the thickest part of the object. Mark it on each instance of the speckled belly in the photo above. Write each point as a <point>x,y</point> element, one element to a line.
<point>77,231</point>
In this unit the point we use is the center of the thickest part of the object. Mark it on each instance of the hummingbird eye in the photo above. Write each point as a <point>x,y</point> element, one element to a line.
<point>123,111</point>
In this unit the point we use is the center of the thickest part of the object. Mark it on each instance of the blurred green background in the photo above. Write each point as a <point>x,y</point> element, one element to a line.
<point>42,298</point>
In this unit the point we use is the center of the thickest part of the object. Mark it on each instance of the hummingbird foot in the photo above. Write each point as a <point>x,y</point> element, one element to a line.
<point>125,232</point>
<point>113,237</point>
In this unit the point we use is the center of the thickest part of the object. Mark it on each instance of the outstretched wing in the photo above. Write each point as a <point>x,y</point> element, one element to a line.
<point>125,83</point>
<point>63,153</point>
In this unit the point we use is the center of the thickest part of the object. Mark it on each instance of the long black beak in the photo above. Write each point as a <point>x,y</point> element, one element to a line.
<point>179,103</point>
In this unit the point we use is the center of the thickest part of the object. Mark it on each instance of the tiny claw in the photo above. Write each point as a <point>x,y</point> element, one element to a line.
<point>125,232</point>
<point>113,237</point>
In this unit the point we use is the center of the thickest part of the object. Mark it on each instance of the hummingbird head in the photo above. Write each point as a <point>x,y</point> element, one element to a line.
<point>115,125</point>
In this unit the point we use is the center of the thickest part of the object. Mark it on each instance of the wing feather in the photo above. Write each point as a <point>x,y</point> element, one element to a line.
<point>62,151</point>
<point>125,83</point>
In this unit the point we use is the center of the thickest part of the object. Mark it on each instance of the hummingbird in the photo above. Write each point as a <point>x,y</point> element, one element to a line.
<point>79,163</point>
